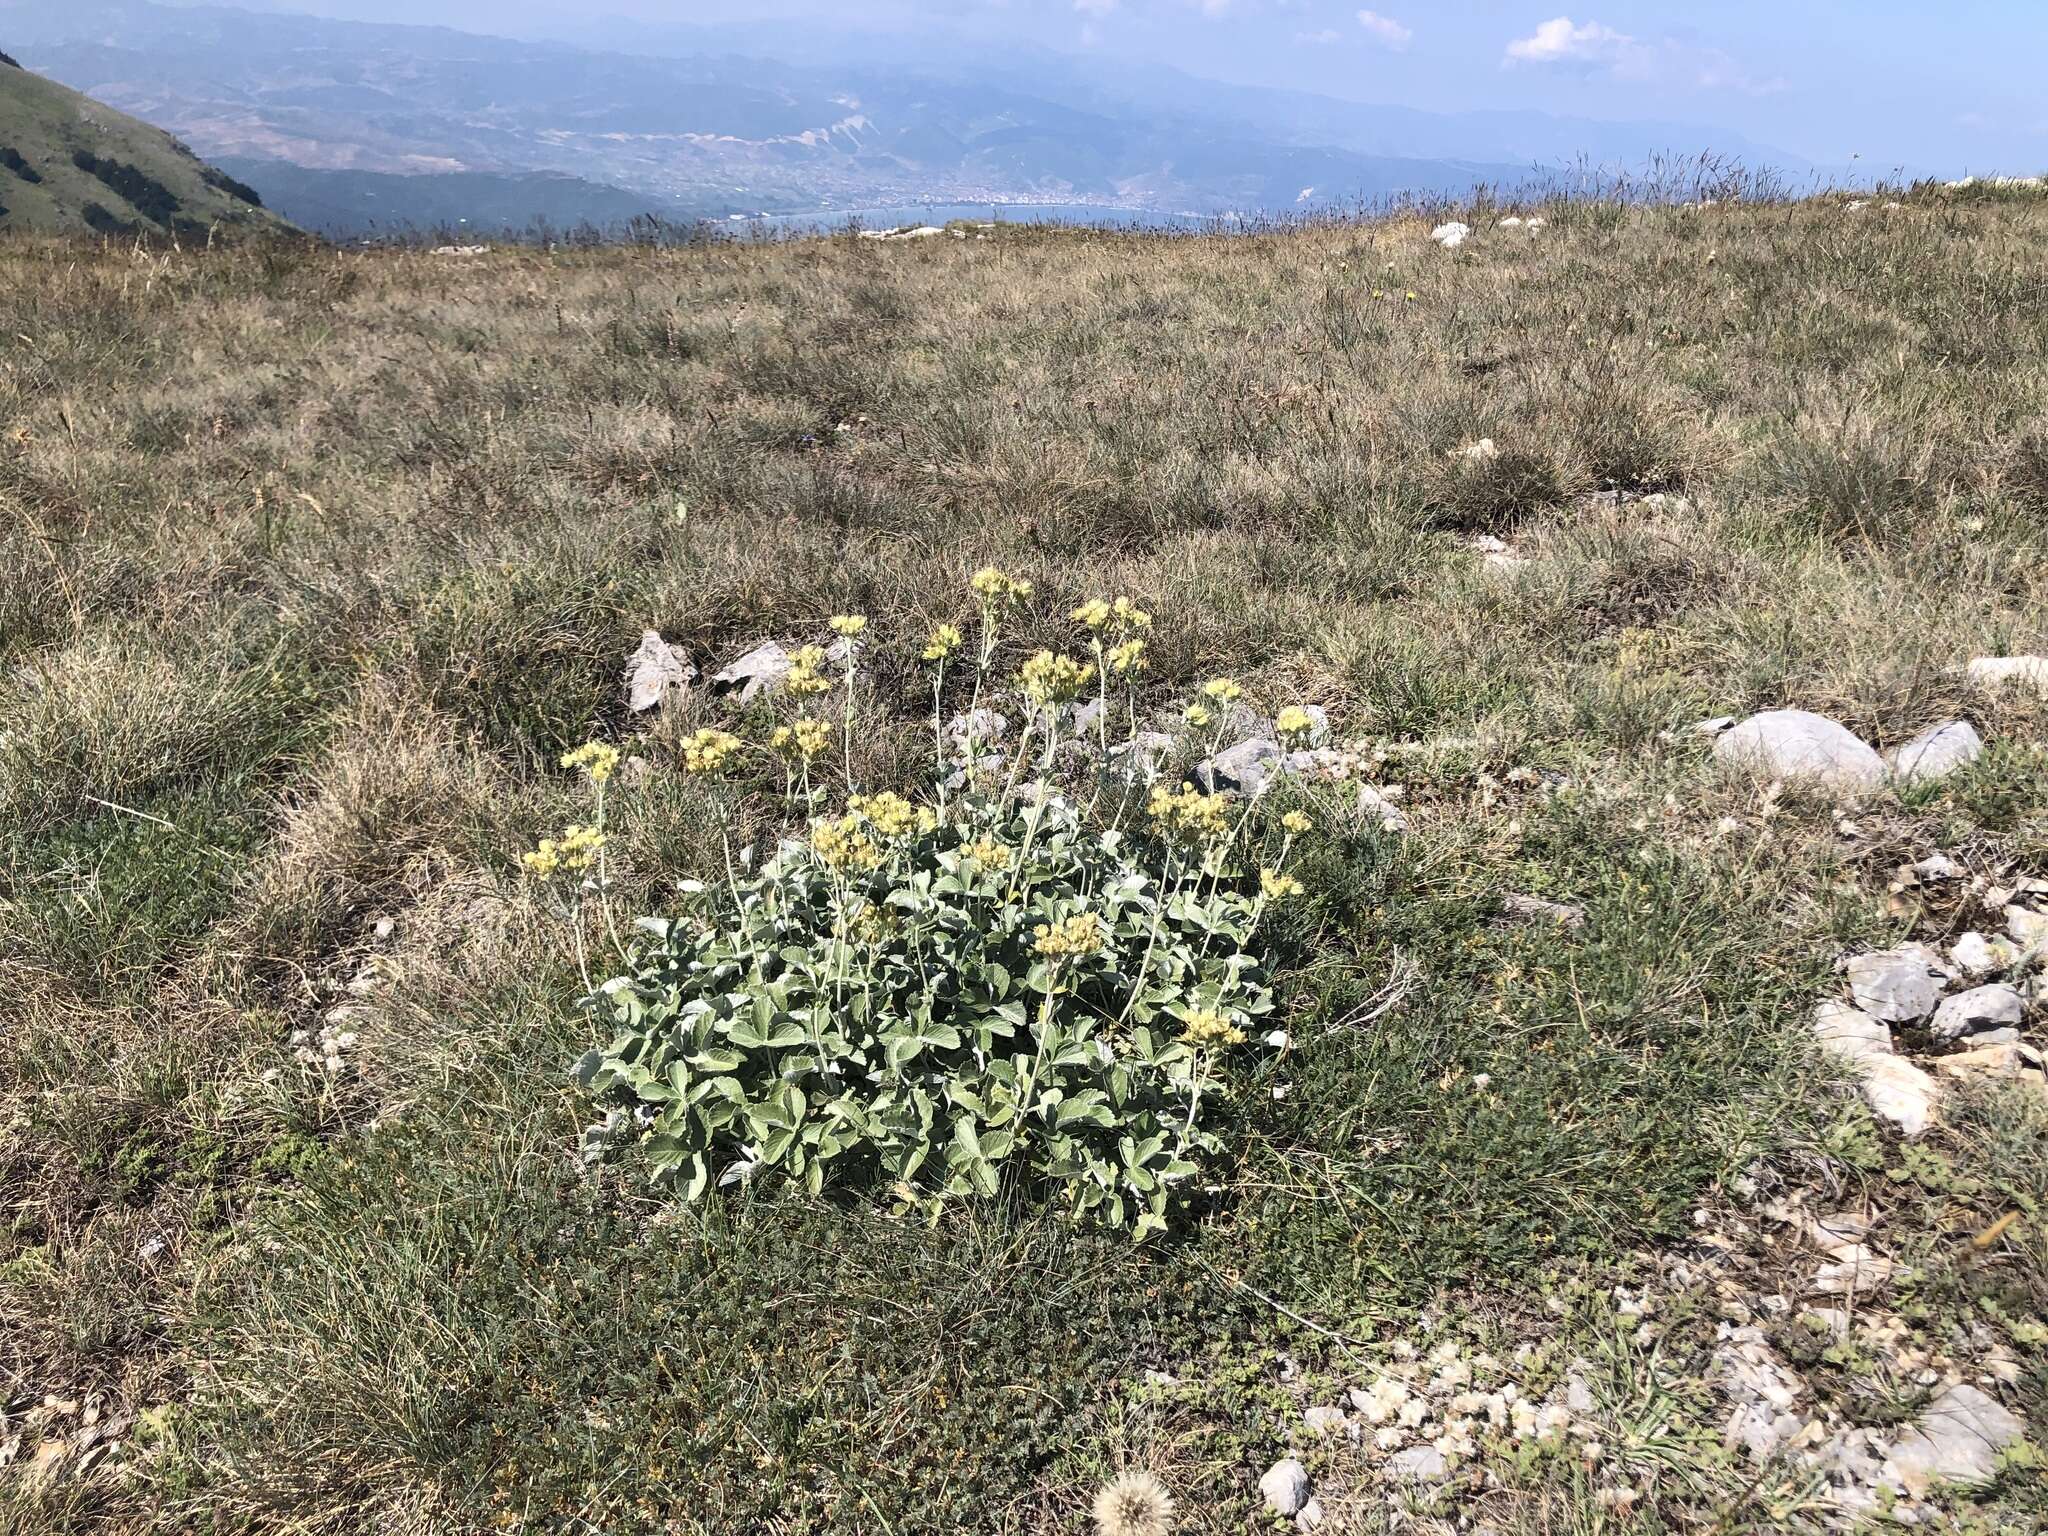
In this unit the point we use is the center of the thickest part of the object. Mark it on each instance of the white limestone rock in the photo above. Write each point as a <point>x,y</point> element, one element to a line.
<point>1797,744</point>
<point>1936,752</point>
<point>1995,672</point>
<point>1899,986</point>
<point>1985,1014</point>
<point>1285,1486</point>
<point>1957,1440</point>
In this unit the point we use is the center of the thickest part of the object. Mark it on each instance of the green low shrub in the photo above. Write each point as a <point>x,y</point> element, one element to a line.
<point>996,989</point>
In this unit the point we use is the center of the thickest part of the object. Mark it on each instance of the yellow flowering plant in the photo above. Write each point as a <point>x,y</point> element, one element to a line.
<point>999,989</point>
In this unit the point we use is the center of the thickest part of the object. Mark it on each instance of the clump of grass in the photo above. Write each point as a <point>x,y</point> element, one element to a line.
<point>1495,494</point>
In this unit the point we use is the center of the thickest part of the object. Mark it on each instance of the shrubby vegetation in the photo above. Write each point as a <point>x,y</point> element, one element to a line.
<point>940,997</point>
<point>143,192</point>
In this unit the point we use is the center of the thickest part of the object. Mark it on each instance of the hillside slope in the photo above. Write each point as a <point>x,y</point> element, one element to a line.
<point>68,162</point>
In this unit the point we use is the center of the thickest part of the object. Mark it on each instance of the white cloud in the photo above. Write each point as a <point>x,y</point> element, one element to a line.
<point>1595,48</point>
<point>1385,31</point>
<point>1320,39</point>
<point>1563,41</point>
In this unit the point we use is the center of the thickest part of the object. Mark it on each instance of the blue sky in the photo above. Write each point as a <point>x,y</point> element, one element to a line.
<point>1947,87</point>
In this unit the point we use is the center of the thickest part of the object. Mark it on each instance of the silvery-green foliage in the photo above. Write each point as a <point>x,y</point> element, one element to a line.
<point>900,1027</point>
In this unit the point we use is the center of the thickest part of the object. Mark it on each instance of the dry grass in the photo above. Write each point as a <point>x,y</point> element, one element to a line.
<point>317,559</point>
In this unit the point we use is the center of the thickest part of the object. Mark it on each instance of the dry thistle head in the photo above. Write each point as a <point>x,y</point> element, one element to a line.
<point>1134,1504</point>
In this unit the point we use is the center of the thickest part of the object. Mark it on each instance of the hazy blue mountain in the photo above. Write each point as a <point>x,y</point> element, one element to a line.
<point>677,122</point>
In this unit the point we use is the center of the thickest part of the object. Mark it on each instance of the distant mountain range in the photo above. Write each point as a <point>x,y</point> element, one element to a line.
<point>350,126</point>
<point>70,164</point>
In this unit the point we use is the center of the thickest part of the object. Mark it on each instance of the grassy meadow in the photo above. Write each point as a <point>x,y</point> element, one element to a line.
<point>316,561</point>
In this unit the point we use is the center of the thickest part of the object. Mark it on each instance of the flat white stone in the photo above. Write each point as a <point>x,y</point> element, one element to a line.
<point>1899,1092</point>
<point>2011,671</point>
<point>1285,1486</point>
<point>1976,1011</point>
<point>1898,986</point>
<point>1797,744</point>
<point>1417,1464</point>
<point>1850,1032</point>
<point>1936,752</point>
<point>1957,1439</point>
<point>1975,955</point>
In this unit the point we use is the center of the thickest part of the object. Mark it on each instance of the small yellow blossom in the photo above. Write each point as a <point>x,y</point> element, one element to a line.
<point>806,671</point>
<point>1294,721</point>
<point>804,739</point>
<point>843,844</point>
<point>1049,679</point>
<point>1126,659</point>
<point>1223,690</point>
<point>705,751</point>
<point>1069,938</point>
<point>875,924</point>
<point>944,642</point>
<point>1276,886</point>
<point>888,812</point>
<point>575,851</point>
<point>988,853</point>
<point>1129,615</point>
<point>1094,613</point>
<point>1207,1027</point>
<point>994,586</point>
<point>1295,822</point>
<point>595,759</point>
<point>1188,813</point>
<point>848,624</point>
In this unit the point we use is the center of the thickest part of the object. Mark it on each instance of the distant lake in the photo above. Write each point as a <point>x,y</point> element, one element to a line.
<point>909,214</point>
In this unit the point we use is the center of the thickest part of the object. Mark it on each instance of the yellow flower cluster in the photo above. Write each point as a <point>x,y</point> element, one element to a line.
<point>848,624</point>
<point>875,925</point>
<point>988,853</point>
<point>705,751</point>
<point>804,739</point>
<point>994,586</point>
<point>1295,822</point>
<point>575,850</point>
<point>945,640</point>
<point>1095,613</point>
<point>1126,659</point>
<point>1207,1027</point>
<point>888,813</point>
<point>1047,678</point>
<point>1188,813</point>
<point>1069,938</point>
<point>1223,690</point>
<point>806,672</point>
<point>1278,887</point>
<point>844,845</point>
<point>595,759</point>
<point>1197,715</point>
<point>1294,721</point>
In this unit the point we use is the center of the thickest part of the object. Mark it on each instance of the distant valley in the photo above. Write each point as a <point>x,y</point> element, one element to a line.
<point>354,128</point>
